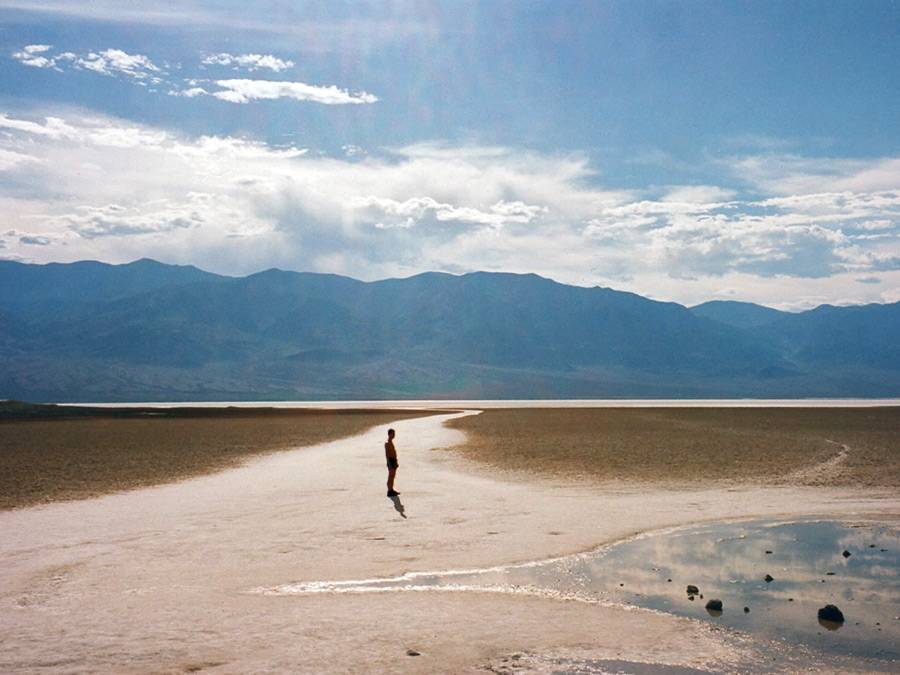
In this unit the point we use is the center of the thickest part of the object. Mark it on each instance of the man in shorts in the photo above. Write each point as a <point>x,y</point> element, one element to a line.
<point>390,453</point>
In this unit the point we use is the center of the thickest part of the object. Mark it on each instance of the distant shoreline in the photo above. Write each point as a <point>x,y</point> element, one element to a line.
<point>206,408</point>
<point>22,410</point>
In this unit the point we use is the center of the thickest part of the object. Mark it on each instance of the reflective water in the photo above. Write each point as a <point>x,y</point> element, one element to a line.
<point>725,561</point>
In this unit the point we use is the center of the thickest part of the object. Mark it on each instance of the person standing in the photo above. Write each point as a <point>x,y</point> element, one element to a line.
<point>390,453</point>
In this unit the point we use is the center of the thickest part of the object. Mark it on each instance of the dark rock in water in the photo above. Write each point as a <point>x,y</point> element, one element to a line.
<point>790,599</point>
<point>693,590</point>
<point>846,553</point>
<point>829,574</point>
<point>746,610</point>
<point>871,545</point>
<point>691,598</point>
<point>412,652</point>
<point>714,605</point>
<point>669,580</point>
<point>701,596</point>
<point>769,578</point>
<point>831,613</point>
<point>768,552</point>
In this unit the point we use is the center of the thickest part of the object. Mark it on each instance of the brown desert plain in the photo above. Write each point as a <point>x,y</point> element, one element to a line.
<point>54,457</point>
<point>166,543</point>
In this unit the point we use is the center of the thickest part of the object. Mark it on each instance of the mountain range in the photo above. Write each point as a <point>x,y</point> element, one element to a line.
<point>144,331</point>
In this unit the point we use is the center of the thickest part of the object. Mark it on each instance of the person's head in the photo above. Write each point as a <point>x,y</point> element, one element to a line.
<point>391,433</point>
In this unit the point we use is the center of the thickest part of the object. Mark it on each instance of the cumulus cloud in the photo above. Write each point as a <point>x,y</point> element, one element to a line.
<point>190,92</point>
<point>801,236</point>
<point>244,91</point>
<point>33,55</point>
<point>114,220</point>
<point>122,191</point>
<point>141,70</point>
<point>109,62</point>
<point>30,239</point>
<point>249,61</point>
<point>392,213</point>
<point>117,62</point>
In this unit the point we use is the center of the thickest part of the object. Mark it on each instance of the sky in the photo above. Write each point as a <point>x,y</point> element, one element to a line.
<point>686,151</point>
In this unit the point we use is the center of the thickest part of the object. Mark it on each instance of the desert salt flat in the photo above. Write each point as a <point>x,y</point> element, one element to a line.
<point>167,578</point>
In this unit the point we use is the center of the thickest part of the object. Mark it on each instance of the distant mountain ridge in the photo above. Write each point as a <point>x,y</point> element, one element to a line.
<point>149,331</point>
<point>737,314</point>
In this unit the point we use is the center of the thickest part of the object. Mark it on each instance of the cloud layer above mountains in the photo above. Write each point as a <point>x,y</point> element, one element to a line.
<point>88,186</point>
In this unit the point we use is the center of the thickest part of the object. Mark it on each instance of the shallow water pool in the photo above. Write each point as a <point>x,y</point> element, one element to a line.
<point>725,561</point>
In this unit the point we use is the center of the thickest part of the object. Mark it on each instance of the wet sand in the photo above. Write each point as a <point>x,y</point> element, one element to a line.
<point>166,578</point>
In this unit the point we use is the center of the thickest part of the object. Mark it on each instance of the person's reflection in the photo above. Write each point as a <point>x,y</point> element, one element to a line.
<point>398,505</point>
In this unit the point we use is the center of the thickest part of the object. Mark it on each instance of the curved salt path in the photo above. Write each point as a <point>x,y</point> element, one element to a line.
<point>157,578</point>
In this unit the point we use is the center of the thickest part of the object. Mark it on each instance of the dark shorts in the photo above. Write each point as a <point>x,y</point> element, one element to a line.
<point>392,463</point>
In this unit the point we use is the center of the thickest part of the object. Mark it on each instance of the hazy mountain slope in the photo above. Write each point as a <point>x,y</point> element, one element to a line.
<point>737,314</point>
<point>104,332</point>
<point>864,335</point>
<point>58,285</point>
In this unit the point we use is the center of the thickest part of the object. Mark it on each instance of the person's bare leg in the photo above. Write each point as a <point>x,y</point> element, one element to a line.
<point>390,483</point>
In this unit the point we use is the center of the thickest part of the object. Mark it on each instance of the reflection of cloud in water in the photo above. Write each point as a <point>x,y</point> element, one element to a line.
<point>727,561</point>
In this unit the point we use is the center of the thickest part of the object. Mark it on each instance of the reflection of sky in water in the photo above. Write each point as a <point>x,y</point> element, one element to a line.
<point>727,561</point>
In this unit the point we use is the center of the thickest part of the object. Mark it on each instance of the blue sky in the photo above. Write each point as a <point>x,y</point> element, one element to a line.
<point>686,151</point>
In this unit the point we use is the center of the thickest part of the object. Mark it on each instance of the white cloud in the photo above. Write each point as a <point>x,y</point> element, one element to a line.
<point>141,70</point>
<point>698,193</point>
<point>10,159</point>
<point>392,213</point>
<point>117,62</point>
<point>799,236</point>
<point>109,62</point>
<point>190,92</point>
<point>32,55</point>
<point>52,127</point>
<point>108,189</point>
<point>244,91</point>
<point>249,61</point>
<point>114,220</point>
<point>31,239</point>
<point>780,174</point>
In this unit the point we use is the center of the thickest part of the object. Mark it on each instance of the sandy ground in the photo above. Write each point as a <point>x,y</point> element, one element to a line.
<point>686,446</point>
<point>164,578</point>
<point>51,454</point>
